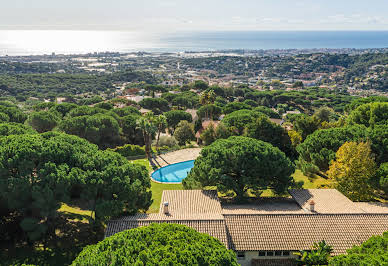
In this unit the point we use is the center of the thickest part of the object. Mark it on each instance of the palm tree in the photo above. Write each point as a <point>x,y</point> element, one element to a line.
<point>207,97</point>
<point>161,124</point>
<point>147,125</point>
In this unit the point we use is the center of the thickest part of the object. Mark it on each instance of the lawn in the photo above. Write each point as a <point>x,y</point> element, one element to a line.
<point>157,188</point>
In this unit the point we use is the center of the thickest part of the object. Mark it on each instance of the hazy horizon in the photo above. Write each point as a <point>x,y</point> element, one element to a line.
<point>183,15</point>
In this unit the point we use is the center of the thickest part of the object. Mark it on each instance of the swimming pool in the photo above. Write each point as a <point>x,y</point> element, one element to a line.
<point>173,173</point>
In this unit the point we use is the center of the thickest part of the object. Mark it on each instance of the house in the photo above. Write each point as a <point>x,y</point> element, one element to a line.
<point>268,230</point>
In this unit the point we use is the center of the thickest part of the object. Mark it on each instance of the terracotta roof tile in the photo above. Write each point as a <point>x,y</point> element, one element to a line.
<point>191,202</point>
<point>373,207</point>
<point>300,231</point>
<point>264,206</point>
<point>326,200</point>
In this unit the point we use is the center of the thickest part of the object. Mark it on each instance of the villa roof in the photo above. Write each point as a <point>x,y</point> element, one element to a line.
<point>264,206</point>
<point>300,231</point>
<point>269,224</point>
<point>191,202</point>
<point>326,200</point>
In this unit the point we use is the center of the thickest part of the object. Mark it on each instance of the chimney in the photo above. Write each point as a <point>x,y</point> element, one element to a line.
<point>312,205</point>
<point>165,207</point>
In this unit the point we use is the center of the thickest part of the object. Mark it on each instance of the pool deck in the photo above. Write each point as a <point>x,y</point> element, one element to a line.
<point>176,157</point>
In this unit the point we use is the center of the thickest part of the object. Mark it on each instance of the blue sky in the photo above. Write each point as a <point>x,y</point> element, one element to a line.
<point>185,15</point>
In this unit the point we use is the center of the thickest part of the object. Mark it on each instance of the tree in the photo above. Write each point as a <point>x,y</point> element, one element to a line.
<point>200,85</point>
<point>370,114</point>
<point>184,133</point>
<point>238,120</point>
<point>306,125</point>
<point>372,252</point>
<point>129,110</point>
<point>43,121</point>
<point>4,117</point>
<point>241,164</point>
<point>159,244</point>
<point>382,178</point>
<point>378,135</point>
<point>208,136</point>
<point>298,84</point>
<point>63,108</point>
<point>235,106</point>
<point>319,255</point>
<point>157,105</point>
<point>353,170</point>
<point>161,124</point>
<point>14,114</point>
<point>100,129</point>
<point>319,148</point>
<point>131,133</point>
<point>210,111</point>
<point>263,129</point>
<point>7,129</point>
<point>38,172</point>
<point>175,116</point>
<point>147,125</point>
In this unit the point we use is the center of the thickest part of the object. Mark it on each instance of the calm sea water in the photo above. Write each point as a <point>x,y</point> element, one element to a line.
<point>70,42</point>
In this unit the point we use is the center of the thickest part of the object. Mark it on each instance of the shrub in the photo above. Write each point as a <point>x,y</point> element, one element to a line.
<point>130,150</point>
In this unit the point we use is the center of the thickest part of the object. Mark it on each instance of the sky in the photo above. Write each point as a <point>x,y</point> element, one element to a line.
<point>198,15</point>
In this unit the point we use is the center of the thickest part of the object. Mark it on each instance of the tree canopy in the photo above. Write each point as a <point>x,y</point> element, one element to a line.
<point>158,244</point>
<point>39,172</point>
<point>175,116</point>
<point>319,148</point>
<point>241,164</point>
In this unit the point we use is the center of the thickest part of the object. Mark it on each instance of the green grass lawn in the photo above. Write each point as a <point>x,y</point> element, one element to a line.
<point>157,188</point>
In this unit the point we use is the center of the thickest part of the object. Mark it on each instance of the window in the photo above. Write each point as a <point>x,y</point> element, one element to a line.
<point>261,253</point>
<point>286,253</point>
<point>269,253</point>
<point>278,253</point>
<point>241,255</point>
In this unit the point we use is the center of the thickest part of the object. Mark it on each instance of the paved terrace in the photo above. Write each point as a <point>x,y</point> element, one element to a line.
<point>176,157</point>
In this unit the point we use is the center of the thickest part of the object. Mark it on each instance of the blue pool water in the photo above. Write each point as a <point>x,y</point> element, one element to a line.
<point>173,173</point>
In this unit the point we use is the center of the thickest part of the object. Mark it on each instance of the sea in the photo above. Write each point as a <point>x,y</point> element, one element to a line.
<point>38,42</point>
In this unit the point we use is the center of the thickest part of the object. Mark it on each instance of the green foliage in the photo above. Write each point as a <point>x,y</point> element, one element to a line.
<point>360,101</point>
<point>353,171</point>
<point>240,164</point>
<point>268,111</point>
<point>129,150</point>
<point>263,129</point>
<point>132,134</point>
<point>319,255</point>
<point>370,114</point>
<point>129,110</point>
<point>378,135</point>
<point>7,129</point>
<point>209,111</point>
<point>156,105</point>
<point>238,120</point>
<point>176,116</point>
<point>208,136</point>
<point>306,125</point>
<point>63,108</point>
<point>184,133</point>
<point>372,252</point>
<point>235,106</point>
<point>99,129</point>
<point>104,105</point>
<point>14,114</point>
<point>4,117</point>
<point>38,172</point>
<point>200,85</point>
<point>43,121</point>
<point>319,148</point>
<point>158,244</point>
<point>382,177</point>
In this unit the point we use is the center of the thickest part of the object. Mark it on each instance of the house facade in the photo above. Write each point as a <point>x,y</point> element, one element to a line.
<point>269,230</point>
